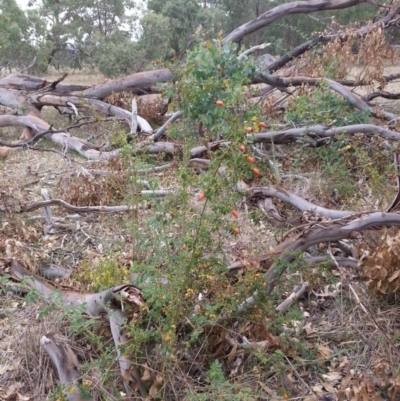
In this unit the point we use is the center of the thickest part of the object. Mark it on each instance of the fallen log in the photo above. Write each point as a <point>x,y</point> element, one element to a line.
<point>298,202</point>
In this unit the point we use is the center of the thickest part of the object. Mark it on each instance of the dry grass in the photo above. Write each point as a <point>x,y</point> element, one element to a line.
<point>85,76</point>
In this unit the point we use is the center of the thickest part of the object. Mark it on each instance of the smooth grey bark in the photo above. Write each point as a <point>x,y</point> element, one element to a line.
<point>347,94</point>
<point>298,202</point>
<point>321,131</point>
<point>284,10</point>
<point>141,79</point>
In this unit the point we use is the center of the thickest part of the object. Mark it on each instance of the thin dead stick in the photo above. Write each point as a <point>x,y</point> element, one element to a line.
<point>134,123</point>
<point>47,212</point>
<point>363,307</point>
<point>161,131</point>
<point>298,375</point>
<point>155,169</point>
<point>298,291</point>
<point>80,209</point>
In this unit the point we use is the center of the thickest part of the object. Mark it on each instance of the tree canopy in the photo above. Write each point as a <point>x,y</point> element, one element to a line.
<point>75,33</point>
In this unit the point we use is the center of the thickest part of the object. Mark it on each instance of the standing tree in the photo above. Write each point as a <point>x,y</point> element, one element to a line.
<point>87,25</point>
<point>16,48</point>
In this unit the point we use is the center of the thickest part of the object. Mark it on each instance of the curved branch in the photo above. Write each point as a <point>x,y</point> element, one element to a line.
<point>253,49</point>
<point>64,139</point>
<point>333,231</point>
<point>354,100</point>
<point>235,267</point>
<point>384,94</point>
<point>105,302</point>
<point>298,202</point>
<point>67,365</point>
<point>344,262</point>
<point>284,10</point>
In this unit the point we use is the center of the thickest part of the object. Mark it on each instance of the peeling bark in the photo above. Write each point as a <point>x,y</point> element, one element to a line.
<point>67,365</point>
<point>107,302</point>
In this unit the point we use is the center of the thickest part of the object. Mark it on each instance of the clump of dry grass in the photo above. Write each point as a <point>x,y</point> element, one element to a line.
<point>86,190</point>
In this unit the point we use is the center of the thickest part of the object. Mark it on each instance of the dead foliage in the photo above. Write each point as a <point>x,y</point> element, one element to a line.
<point>88,189</point>
<point>151,107</point>
<point>380,264</point>
<point>338,57</point>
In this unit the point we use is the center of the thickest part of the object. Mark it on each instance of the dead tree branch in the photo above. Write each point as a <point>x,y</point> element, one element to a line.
<point>385,22</point>
<point>298,291</point>
<point>298,202</point>
<point>384,94</point>
<point>79,209</point>
<point>284,10</point>
<point>62,138</point>
<point>353,99</point>
<point>321,131</point>
<point>107,302</point>
<point>66,363</point>
<point>324,232</point>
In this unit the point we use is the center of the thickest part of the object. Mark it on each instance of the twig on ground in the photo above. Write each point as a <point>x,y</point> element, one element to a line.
<point>154,169</point>
<point>298,291</point>
<point>79,209</point>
